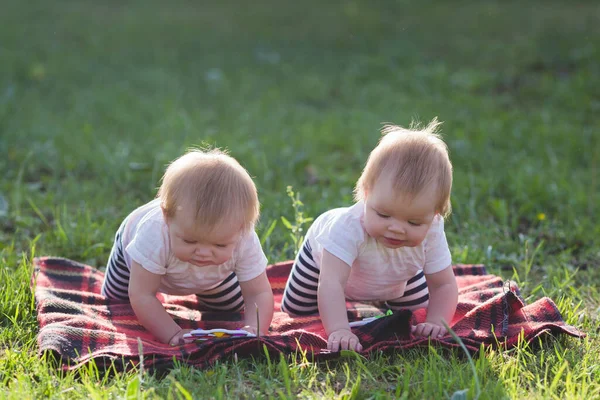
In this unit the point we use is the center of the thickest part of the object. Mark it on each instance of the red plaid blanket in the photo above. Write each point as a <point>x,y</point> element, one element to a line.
<point>77,324</point>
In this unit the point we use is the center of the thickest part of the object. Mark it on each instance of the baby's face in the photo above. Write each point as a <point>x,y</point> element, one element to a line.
<point>190,243</point>
<point>397,221</point>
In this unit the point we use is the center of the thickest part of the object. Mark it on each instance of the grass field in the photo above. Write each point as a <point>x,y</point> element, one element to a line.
<point>96,97</point>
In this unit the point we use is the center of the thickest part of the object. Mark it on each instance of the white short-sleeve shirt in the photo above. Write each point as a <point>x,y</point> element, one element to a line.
<point>146,240</point>
<point>377,273</point>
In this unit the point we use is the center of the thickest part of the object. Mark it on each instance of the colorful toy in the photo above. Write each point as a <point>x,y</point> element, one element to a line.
<point>208,334</point>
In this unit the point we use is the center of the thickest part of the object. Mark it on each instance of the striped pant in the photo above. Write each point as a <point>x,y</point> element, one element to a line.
<point>226,297</point>
<point>300,295</point>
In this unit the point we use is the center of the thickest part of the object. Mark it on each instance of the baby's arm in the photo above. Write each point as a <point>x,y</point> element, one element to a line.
<point>143,286</point>
<point>257,292</point>
<point>443,298</point>
<point>332,304</point>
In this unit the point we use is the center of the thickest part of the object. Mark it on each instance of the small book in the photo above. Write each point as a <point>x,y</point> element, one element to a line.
<point>368,320</point>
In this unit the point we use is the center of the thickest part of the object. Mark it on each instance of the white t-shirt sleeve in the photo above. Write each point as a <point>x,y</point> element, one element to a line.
<point>251,260</point>
<point>149,247</point>
<point>437,253</point>
<point>342,238</point>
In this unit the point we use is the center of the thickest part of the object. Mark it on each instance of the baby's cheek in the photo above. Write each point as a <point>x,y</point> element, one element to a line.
<point>226,255</point>
<point>182,252</point>
<point>421,237</point>
<point>176,252</point>
<point>370,228</point>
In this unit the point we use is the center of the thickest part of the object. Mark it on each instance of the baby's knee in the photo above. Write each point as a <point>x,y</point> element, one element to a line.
<point>114,294</point>
<point>298,311</point>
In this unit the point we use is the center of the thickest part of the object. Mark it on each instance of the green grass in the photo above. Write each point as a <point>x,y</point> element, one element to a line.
<point>96,97</point>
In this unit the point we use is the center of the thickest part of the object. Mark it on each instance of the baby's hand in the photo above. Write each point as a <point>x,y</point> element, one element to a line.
<point>429,329</point>
<point>343,339</point>
<point>178,338</point>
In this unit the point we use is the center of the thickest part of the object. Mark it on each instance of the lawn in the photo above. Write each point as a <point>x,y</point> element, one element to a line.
<point>96,97</point>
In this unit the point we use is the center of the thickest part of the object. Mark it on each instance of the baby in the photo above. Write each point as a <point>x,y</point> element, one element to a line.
<point>389,247</point>
<point>196,237</point>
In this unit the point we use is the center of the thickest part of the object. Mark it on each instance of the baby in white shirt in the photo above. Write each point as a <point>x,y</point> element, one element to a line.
<point>389,247</point>
<point>197,237</point>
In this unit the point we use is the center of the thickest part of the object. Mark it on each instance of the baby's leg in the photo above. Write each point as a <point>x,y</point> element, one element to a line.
<point>226,297</point>
<point>116,277</point>
<point>300,295</point>
<point>416,294</point>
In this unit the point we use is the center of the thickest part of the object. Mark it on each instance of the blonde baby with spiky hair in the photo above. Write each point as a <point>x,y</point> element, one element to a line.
<point>389,247</point>
<point>196,237</point>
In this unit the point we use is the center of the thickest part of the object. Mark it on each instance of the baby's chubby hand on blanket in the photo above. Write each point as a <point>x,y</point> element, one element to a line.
<point>343,339</point>
<point>177,339</point>
<point>429,329</point>
<point>251,329</point>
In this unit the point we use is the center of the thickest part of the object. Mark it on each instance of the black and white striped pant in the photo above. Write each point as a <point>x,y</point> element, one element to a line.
<point>227,296</point>
<point>300,295</point>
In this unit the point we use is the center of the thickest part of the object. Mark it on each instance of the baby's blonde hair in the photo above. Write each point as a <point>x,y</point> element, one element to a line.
<point>416,158</point>
<point>211,184</point>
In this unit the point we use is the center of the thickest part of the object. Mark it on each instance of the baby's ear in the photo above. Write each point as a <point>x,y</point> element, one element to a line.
<point>164,210</point>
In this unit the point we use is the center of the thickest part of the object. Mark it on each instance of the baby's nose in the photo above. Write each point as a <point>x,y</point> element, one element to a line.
<point>397,227</point>
<point>202,251</point>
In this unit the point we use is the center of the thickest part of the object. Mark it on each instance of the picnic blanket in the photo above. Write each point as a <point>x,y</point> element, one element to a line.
<point>77,324</point>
